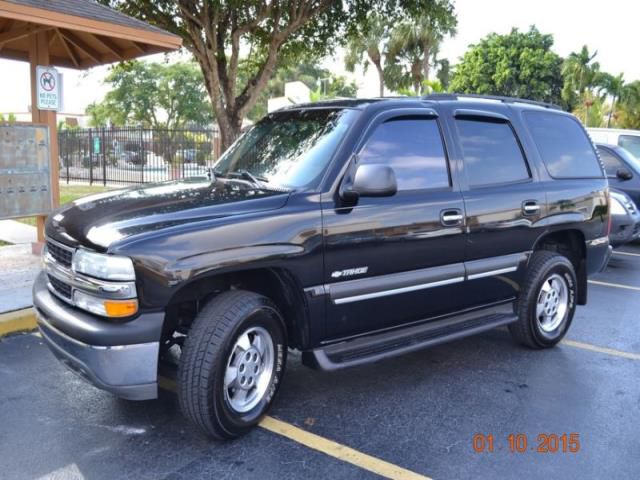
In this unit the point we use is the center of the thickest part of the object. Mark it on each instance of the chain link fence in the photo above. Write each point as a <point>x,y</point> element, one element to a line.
<point>135,155</point>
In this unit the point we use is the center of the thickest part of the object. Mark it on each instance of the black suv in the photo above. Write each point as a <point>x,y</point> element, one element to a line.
<point>351,231</point>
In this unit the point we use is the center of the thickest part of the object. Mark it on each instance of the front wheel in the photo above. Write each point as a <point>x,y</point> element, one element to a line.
<point>232,363</point>
<point>547,303</point>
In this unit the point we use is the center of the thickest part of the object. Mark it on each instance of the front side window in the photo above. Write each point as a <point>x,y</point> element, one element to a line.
<point>491,153</point>
<point>289,149</point>
<point>610,161</point>
<point>563,144</point>
<point>413,147</point>
<point>631,143</point>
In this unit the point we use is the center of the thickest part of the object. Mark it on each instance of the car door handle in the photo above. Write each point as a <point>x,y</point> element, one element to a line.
<point>451,217</point>
<point>530,207</point>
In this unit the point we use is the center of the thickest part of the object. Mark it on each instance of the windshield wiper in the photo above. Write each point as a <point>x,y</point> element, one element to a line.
<point>247,175</point>
<point>255,181</point>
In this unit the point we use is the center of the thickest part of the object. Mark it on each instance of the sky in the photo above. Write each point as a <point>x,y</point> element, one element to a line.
<point>609,27</point>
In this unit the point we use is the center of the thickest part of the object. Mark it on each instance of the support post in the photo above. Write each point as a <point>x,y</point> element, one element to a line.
<point>39,55</point>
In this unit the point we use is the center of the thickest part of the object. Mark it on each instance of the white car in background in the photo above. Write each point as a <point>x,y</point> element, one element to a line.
<point>628,139</point>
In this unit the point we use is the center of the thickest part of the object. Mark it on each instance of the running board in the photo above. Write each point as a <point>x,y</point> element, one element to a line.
<point>379,346</point>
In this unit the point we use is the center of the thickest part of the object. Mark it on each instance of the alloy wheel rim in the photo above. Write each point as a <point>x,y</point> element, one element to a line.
<point>249,369</point>
<point>552,303</point>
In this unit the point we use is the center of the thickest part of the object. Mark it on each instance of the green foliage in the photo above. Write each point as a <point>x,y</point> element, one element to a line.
<point>309,73</point>
<point>444,73</point>
<point>614,86</point>
<point>366,46</point>
<point>520,64</point>
<point>590,109</point>
<point>414,43</point>
<point>11,118</point>
<point>629,108</point>
<point>273,32</point>
<point>580,74</point>
<point>334,87</point>
<point>154,95</point>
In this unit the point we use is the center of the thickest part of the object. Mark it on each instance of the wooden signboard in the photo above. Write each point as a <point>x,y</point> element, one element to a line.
<point>25,177</point>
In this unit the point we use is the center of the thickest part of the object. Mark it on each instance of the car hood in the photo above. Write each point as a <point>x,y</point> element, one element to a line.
<point>102,220</point>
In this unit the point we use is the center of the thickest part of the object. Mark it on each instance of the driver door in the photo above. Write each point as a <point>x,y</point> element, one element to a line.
<point>396,260</point>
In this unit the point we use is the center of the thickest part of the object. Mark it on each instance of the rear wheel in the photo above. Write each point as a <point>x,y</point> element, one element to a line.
<point>232,363</point>
<point>547,303</point>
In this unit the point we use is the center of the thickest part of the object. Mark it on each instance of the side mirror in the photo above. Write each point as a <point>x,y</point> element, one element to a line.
<point>372,180</point>
<point>624,174</point>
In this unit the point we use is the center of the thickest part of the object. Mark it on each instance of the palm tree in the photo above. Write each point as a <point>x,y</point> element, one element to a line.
<point>579,72</point>
<point>580,75</point>
<point>370,44</point>
<point>414,43</point>
<point>629,106</point>
<point>615,88</point>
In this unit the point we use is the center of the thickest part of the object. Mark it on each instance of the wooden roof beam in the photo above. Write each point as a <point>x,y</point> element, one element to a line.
<point>21,32</point>
<point>82,45</point>
<point>109,45</point>
<point>68,48</point>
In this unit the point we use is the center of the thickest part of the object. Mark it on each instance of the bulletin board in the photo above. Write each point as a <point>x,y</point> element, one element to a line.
<point>25,170</point>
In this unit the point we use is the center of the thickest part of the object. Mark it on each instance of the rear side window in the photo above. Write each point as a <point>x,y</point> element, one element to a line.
<point>563,145</point>
<point>491,153</point>
<point>413,148</point>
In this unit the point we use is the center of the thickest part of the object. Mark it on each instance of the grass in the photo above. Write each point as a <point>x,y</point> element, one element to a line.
<point>69,193</point>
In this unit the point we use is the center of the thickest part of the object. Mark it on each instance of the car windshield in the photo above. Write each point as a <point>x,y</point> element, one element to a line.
<point>288,149</point>
<point>631,143</point>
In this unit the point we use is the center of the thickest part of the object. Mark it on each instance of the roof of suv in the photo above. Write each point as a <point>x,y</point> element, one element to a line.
<point>461,100</point>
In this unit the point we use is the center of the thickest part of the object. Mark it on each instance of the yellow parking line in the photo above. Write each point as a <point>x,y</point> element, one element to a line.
<point>608,351</point>
<point>618,252</point>
<point>326,446</point>
<point>614,285</point>
<point>336,450</point>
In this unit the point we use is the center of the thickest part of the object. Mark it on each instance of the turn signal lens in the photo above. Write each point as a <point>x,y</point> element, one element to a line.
<point>124,308</point>
<point>105,307</point>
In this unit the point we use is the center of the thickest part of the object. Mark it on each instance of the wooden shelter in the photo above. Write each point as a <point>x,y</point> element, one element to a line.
<point>75,34</point>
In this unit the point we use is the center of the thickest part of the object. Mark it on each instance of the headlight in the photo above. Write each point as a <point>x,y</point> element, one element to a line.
<point>616,207</point>
<point>106,267</point>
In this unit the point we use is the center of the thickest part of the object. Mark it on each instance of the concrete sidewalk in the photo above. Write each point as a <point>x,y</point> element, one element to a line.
<point>17,233</point>
<point>18,269</point>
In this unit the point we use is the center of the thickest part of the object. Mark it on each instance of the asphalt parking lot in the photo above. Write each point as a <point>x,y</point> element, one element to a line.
<point>407,417</point>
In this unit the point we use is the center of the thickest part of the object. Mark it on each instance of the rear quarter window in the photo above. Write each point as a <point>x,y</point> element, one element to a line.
<point>563,145</point>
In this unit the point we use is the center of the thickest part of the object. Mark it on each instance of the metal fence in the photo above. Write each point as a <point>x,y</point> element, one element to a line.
<point>135,155</point>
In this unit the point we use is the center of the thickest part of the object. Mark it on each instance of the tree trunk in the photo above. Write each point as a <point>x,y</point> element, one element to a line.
<point>426,54</point>
<point>416,73</point>
<point>230,130</point>
<point>380,77</point>
<point>613,106</point>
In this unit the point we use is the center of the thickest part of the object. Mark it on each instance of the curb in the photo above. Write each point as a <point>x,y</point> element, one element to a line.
<point>17,321</point>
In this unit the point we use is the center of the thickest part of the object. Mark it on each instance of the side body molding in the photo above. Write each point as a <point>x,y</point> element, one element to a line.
<point>403,282</point>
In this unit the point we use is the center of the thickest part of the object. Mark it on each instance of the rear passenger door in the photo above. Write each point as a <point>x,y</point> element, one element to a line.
<point>503,203</point>
<point>395,260</point>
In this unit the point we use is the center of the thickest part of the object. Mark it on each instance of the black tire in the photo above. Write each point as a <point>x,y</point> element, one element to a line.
<point>529,330</point>
<point>206,354</point>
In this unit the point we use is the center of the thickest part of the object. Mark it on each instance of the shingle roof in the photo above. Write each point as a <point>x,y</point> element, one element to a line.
<point>91,10</point>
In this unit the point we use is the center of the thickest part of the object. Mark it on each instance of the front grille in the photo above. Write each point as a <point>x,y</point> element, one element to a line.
<point>60,254</point>
<point>60,287</point>
<point>631,207</point>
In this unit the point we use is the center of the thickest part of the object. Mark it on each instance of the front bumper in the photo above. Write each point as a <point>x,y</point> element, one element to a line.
<point>624,229</point>
<point>119,358</point>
